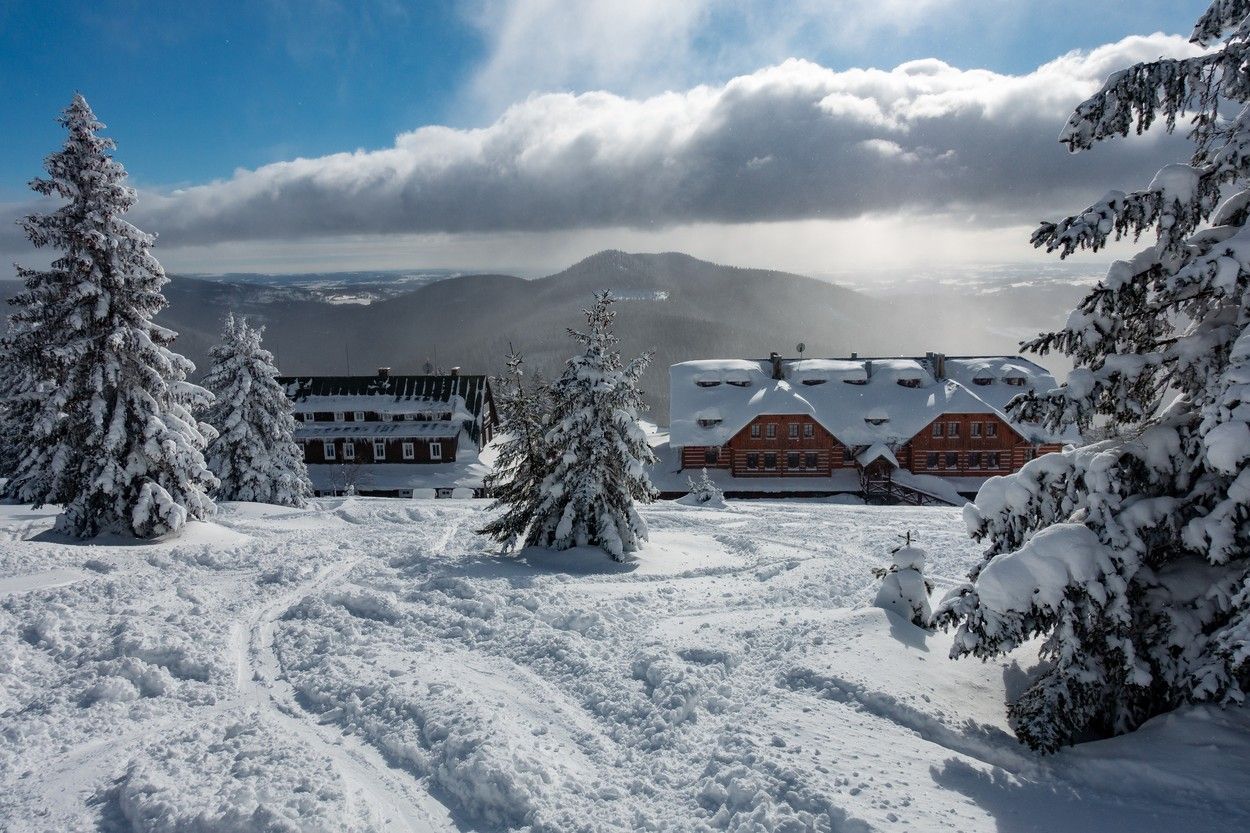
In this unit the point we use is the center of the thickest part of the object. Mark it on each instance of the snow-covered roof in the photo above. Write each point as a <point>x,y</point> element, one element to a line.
<point>464,398</point>
<point>860,401</point>
<point>876,451</point>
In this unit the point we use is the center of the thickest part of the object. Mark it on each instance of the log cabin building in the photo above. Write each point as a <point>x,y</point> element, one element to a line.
<point>386,431</point>
<point>877,423</point>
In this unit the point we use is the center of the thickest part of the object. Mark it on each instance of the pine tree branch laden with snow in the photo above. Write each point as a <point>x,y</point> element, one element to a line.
<point>599,453</point>
<point>112,438</point>
<point>1130,558</point>
<point>254,454</point>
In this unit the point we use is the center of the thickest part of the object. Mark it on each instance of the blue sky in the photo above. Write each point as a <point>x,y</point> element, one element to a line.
<point>193,92</point>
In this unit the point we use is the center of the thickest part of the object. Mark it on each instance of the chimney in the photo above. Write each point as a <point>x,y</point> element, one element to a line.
<point>775,358</point>
<point>854,355</point>
<point>384,373</point>
<point>939,365</point>
<point>868,368</point>
<point>455,372</point>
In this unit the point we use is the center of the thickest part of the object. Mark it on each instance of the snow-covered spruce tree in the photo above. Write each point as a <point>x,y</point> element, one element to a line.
<point>904,589</point>
<point>114,442</point>
<point>523,461</point>
<point>599,453</point>
<point>254,454</point>
<point>1130,556</point>
<point>704,491</point>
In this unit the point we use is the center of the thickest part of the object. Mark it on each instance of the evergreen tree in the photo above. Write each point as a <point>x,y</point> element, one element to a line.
<point>704,491</point>
<point>1130,555</point>
<point>599,453</point>
<point>523,461</point>
<point>904,589</point>
<point>254,454</point>
<point>112,438</point>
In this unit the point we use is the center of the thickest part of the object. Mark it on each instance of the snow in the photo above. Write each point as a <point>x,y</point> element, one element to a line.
<point>372,665</point>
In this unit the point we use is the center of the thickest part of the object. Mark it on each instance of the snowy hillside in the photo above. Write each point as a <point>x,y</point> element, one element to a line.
<point>369,665</point>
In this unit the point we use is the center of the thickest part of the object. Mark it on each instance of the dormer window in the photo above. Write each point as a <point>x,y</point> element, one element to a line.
<point>740,383</point>
<point>708,422</point>
<point>708,383</point>
<point>982,380</point>
<point>814,382</point>
<point>876,420</point>
<point>1014,381</point>
<point>909,383</point>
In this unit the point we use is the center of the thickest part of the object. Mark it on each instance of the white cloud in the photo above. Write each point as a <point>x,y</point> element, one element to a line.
<point>791,142</point>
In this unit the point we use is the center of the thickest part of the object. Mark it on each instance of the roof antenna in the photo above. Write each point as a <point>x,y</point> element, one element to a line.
<point>800,347</point>
<point>347,354</point>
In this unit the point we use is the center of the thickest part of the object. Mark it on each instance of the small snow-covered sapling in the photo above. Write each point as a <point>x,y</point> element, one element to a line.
<point>904,589</point>
<point>704,490</point>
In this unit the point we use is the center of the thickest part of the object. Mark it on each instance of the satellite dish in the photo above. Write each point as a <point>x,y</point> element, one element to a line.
<point>800,347</point>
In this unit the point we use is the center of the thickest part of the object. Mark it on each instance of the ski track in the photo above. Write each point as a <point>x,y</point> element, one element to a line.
<point>391,798</point>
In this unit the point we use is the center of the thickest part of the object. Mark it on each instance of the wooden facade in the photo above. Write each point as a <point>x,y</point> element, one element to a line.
<point>796,445</point>
<point>390,449</point>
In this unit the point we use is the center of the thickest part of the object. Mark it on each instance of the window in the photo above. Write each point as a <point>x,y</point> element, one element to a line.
<point>814,382</point>
<point>952,429</point>
<point>708,422</point>
<point>794,430</point>
<point>991,460</point>
<point>952,459</point>
<point>707,383</point>
<point>299,416</point>
<point>848,456</point>
<point>982,380</point>
<point>327,449</point>
<point>436,451</point>
<point>711,456</point>
<point>379,449</point>
<point>753,461</point>
<point>792,459</point>
<point>807,429</point>
<point>974,428</point>
<point>974,459</point>
<point>385,417</point>
<point>937,429</point>
<point>739,383</point>
<point>931,460</point>
<point>359,416</point>
<point>349,450</point>
<point>909,383</point>
<point>410,451</point>
<point>771,430</point>
<point>1014,381</point>
<point>409,417</point>
<point>770,461</point>
<point>810,460</point>
<point>339,416</point>
<point>991,429</point>
<point>755,431</point>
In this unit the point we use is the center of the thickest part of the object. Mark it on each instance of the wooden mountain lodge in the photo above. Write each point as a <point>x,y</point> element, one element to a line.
<point>911,430</point>
<point>384,434</point>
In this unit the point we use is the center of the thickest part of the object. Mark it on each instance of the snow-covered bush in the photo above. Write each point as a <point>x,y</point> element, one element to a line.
<point>704,491</point>
<point>904,589</point>
<point>523,462</point>
<point>101,397</point>
<point>1130,556</point>
<point>598,450</point>
<point>254,454</point>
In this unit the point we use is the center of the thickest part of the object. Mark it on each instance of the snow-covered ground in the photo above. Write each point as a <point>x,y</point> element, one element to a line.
<point>369,664</point>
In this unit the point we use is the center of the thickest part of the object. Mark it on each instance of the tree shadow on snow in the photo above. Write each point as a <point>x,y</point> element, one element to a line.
<point>913,636</point>
<point>523,566</point>
<point>1024,805</point>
